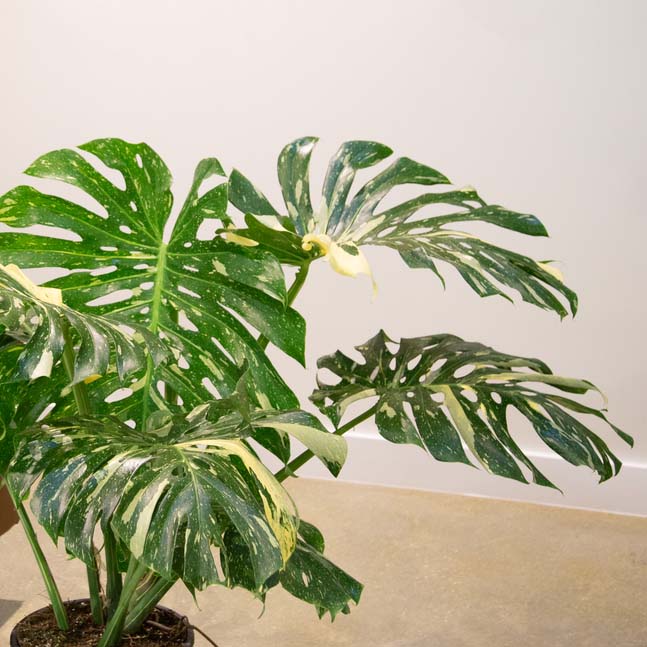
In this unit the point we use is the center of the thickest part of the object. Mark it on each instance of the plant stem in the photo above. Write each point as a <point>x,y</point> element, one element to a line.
<point>79,391</point>
<point>52,590</point>
<point>305,456</point>
<point>84,408</point>
<point>142,607</point>
<point>114,629</point>
<point>113,576</point>
<point>294,290</point>
<point>94,587</point>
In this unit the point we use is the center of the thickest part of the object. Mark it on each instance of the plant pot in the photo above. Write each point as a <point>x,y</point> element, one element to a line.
<point>80,616</point>
<point>8,516</point>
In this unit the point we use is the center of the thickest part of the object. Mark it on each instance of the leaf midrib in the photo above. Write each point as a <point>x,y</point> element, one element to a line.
<point>156,305</point>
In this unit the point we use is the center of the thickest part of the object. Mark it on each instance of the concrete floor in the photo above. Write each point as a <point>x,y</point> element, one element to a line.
<point>439,571</point>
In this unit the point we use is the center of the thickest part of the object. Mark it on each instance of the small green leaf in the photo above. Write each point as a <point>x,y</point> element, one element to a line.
<point>313,578</point>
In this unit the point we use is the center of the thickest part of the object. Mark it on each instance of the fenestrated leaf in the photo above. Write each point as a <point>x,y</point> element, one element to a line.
<point>346,221</point>
<point>330,448</point>
<point>313,578</point>
<point>169,493</point>
<point>308,575</point>
<point>218,288</point>
<point>37,318</point>
<point>451,398</point>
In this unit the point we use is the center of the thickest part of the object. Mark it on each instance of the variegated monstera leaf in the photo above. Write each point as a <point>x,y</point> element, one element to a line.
<point>451,398</point>
<point>308,575</point>
<point>199,293</point>
<point>169,491</point>
<point>37,318</point>
<point>345,220</point>
<point>35,327</point>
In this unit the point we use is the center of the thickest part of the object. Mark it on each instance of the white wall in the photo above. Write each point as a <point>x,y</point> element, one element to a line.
<point>540,105</point>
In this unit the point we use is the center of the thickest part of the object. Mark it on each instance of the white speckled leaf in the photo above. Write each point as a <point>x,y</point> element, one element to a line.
<point>450,397</point>
<point>308,574</point>
<point>120,252</point>
<point>37,320</point>
<point>348,221</point>
<point>169,493</point>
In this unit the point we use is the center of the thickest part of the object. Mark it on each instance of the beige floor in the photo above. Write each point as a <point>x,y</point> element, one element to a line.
<point>439,570</point>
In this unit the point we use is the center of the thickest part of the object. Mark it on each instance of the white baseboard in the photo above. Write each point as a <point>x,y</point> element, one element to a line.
<point>373,460</point>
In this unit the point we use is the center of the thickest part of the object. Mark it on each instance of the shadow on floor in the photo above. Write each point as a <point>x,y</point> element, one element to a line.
<point>7,609</point>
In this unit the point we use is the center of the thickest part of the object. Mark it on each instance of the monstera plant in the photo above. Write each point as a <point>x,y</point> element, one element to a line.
<point>138,399</point>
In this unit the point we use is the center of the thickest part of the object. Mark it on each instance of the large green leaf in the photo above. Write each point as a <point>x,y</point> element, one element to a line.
<point>201,296</point>
<point>345,221</point>
<point>451,398</point>
<point>172,489</point>
<point>169,491</point>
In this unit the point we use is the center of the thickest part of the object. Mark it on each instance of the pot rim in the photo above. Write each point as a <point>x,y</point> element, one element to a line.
<point>190,634</point>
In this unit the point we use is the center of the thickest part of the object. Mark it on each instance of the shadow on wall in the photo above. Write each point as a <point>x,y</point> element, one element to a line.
<point>7,609</point>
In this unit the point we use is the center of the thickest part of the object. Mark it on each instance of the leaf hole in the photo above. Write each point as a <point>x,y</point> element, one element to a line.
<point>438,364</point>
<point>125,229</point>
<point>103,270</point>
<point>438,397</point>
<point>114,297</point>
<point>386,232</point>
<point>470,394</point>
<point>141,266</point>
<point>133,206</point>
<point>463,371</point>
<point>139,161</point>
<point>118,395</point>
<point>108,248</point>
<point>326,377</point>
<point>412,363</point>
<point>207,229</point>
<point>496,397</point>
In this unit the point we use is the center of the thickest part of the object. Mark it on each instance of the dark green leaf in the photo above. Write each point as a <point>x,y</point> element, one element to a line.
<point>313,578</point>
<point>169,493</point>
<point>344,222</point>
<point>451,398</point>
<point>199,295</point>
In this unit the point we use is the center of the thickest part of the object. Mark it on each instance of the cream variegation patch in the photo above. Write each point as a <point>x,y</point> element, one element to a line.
<point>48,295</point>
<point>345,258</point>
